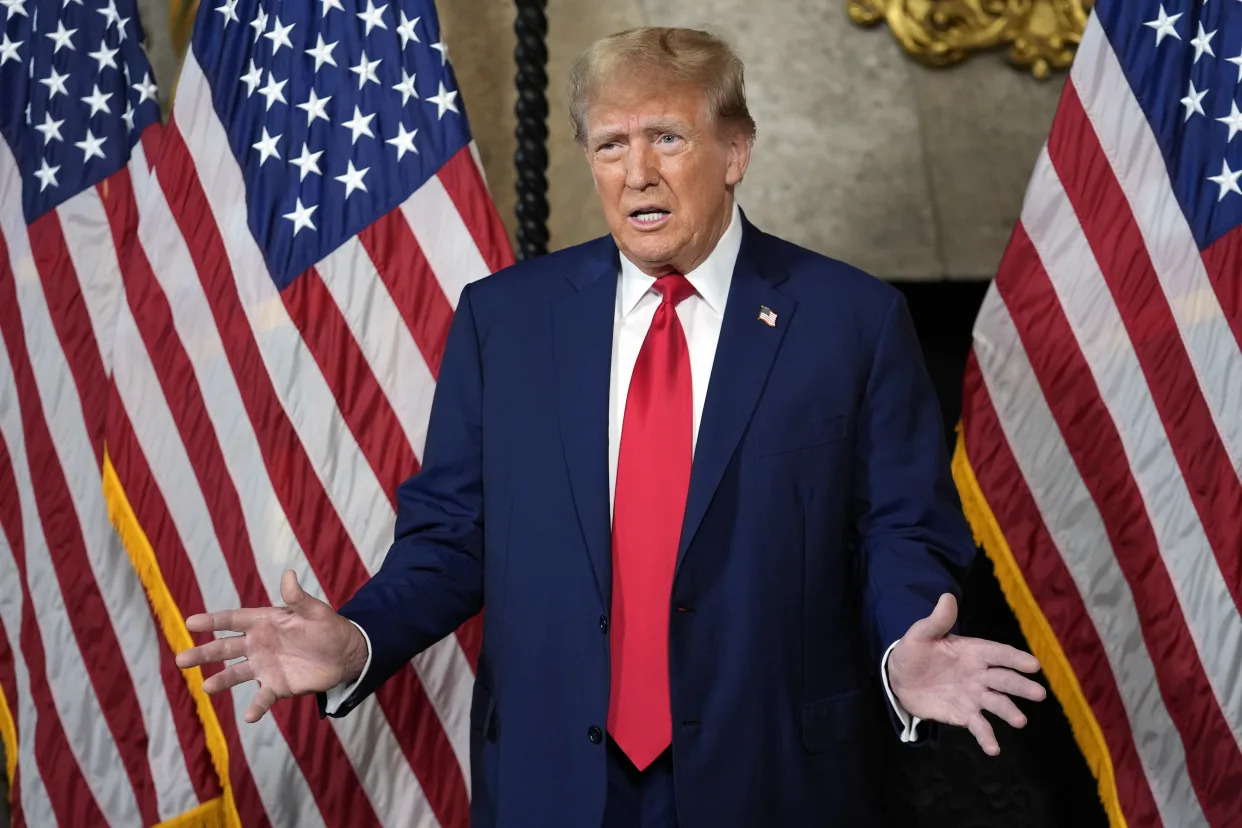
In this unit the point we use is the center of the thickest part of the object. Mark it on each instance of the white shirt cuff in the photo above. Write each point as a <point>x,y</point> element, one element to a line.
<point>909,724</point>
<point>339,694</point>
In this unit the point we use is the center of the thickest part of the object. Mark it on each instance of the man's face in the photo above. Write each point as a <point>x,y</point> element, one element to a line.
<point>664,172</point>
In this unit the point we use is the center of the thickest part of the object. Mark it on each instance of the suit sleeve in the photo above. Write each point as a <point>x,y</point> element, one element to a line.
<point>431,580</point>
<point>913,540</point>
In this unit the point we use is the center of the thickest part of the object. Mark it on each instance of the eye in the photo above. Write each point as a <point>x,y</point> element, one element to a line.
<point>667,138</point>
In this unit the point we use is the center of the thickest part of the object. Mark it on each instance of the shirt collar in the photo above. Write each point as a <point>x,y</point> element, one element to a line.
<point>710,279</point>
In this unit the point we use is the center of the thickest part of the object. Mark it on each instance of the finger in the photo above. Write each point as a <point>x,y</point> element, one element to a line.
<point>941,620</point>
<point>230,676</point>
<point>260,704</point>
<point>1004,708</point>
<point>222,649</point>
<point>238,620</point>
<point>1007,681</point>
<point>1002,655</point>
<point>982,731</point>
<point>291,591</point>
<point>192,657</point>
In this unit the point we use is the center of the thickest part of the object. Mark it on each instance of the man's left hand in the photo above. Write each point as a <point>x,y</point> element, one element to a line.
<point>953,679</point>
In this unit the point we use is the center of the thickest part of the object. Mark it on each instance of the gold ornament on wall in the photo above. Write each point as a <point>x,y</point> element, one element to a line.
<point>1042,35</point>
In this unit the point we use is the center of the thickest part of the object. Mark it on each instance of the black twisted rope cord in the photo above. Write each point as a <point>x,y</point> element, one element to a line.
<point>531,158</point>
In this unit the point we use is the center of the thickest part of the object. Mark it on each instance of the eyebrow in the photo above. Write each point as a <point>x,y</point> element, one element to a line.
<point>661,126</point>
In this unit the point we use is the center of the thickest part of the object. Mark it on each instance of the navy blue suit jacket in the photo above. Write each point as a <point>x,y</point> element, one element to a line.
<point>821,523</point>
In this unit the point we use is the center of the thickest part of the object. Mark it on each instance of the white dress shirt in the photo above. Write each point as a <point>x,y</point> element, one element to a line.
<point>701,315</point>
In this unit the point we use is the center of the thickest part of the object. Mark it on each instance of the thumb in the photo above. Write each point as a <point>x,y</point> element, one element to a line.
<point>941,620</point>
<point>291,591</point>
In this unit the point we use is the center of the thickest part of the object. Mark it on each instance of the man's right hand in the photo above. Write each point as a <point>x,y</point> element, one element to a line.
<point>303,647</point>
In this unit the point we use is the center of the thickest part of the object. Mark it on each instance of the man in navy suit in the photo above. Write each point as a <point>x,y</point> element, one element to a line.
<point>696,475</point>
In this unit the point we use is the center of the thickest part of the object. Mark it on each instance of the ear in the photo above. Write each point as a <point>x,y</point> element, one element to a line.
<point>738,158</point>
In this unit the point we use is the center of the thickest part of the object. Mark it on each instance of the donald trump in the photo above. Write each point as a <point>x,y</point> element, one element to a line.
<point>695,476</point>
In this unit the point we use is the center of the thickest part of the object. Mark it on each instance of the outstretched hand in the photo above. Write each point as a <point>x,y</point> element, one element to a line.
<point>302,647</point>
<point>953,679</point>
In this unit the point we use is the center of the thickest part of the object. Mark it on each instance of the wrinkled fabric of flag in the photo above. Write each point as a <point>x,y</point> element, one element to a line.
<point>1101,442</point>
<point>221,340</point>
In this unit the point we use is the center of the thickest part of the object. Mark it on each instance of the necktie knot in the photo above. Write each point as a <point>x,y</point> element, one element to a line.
<point>674,288</point>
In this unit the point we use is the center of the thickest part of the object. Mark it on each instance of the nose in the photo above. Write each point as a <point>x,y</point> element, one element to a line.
<point>641,166</point>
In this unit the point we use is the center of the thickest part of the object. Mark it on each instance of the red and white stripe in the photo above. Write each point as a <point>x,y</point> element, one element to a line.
<point>24,643</point>
<point>1101,417</point>
<point>257,430</point>
<point>104,719</point>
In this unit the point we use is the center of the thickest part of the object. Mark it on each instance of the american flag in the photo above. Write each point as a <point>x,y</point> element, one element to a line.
<point>1101,441</point>
<point>293,247</point>
<point>99,726</point>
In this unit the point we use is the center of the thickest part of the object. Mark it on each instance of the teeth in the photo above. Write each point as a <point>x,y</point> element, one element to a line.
<point>655,215</point>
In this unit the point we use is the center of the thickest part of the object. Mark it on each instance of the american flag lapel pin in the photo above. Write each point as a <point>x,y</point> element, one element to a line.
<point>767,315</point>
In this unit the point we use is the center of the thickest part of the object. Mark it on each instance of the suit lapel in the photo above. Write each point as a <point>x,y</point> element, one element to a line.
<point>740,369</point>
<point>582,341</point>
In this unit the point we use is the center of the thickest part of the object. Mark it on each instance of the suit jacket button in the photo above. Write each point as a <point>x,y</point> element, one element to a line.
<point>603,623</point>
<point>595,734</point>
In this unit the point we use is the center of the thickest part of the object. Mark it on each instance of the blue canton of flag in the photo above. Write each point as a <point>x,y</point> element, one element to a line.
<point>336,113</point>
<point>1183,59</point>
<point>77,91</point>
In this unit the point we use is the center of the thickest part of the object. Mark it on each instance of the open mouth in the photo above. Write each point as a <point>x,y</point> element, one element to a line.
<point>649,217</point>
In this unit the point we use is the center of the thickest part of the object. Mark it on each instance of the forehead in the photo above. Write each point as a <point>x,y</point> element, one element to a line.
<point>635,105</point>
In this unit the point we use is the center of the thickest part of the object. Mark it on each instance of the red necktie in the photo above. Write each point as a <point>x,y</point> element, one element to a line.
<point>653,477</point>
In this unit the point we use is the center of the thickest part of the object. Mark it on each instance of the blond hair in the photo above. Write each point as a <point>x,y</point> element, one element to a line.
<point>683,56</point>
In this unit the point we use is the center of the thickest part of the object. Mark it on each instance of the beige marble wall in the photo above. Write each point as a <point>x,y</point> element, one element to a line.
<point>862,153</point>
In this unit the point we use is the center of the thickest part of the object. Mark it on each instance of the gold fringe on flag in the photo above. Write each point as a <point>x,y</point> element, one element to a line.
<point>8,737</point>
<point>172,622</point>
<point>210,814</point>
<point>1043,642</point>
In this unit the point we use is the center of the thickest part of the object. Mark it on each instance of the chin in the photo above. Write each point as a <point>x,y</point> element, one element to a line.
<point>650,248</point>
<point>652,257</point>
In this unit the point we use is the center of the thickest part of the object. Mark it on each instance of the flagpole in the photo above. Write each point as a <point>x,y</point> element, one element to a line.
<point>531,157</point>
